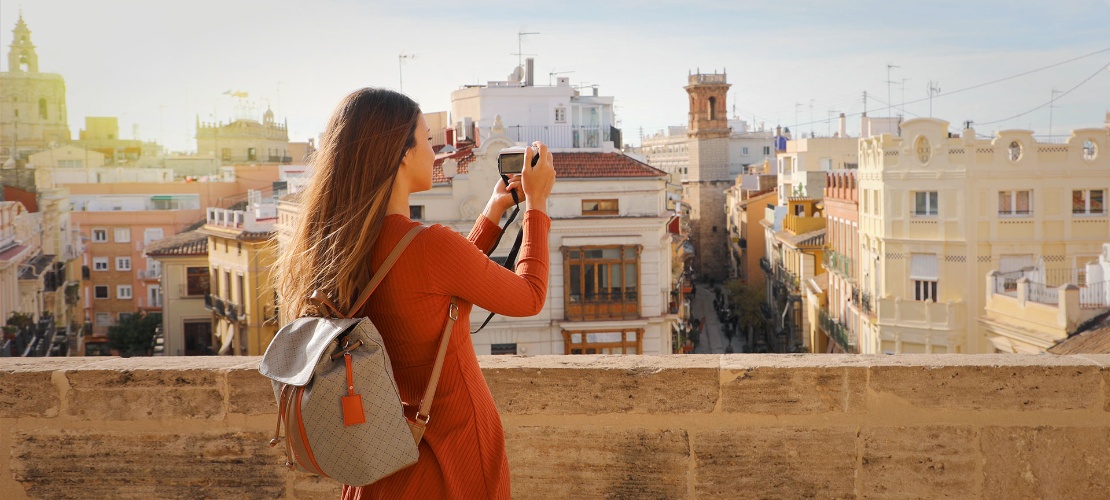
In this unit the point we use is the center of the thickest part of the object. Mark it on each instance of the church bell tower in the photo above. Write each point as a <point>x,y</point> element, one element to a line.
<point>22,57</point>
<point>707,176</point>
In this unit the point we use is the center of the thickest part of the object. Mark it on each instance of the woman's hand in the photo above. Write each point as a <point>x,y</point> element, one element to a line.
<point>502,198</point>
<point>537,181</point>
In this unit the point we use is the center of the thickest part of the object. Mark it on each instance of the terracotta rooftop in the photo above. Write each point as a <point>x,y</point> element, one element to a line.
<point>464,156</point>
<point>187,243</point>
<point>567,165</point>
<point>1093,341</point>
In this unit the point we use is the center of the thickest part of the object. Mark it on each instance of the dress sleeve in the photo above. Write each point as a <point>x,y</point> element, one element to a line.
<point>483,234</point>
<point>458,268</point>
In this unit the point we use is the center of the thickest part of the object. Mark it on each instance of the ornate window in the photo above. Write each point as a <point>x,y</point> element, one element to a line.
<point>601,282</point>
<point>627,341</point>
<point>1088,202</point>
<point>712,108</point>
<point>1015,202</point>
<point>42,109</point>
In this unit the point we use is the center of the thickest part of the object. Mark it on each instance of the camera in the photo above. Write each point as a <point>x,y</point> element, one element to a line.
<point>511,160</point>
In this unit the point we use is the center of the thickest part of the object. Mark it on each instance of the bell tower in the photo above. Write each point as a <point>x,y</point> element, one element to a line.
<point>22,57</point>
<point>707,176</point>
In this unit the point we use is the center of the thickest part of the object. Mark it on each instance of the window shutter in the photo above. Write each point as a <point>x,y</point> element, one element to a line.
<point>1012,263</point>
<point>924,267</point>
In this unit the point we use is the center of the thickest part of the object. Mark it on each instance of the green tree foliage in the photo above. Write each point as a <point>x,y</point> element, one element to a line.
<point>746,298</point>
<point>133,336</point>
<point>17,321</point>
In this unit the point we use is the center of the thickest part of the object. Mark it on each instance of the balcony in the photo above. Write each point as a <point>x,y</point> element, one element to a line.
<point>215,304</point>
<point>560,136</point>
<point>838,263</point>
<point>800,225</point>
<point>1026,316</point>
<point>787,278</point>
<point>945,317</point>
<point>837,331</point>
<point>721,426</point>
<point>602,306</point>
<point>150,274</point>
<point>765,265</point>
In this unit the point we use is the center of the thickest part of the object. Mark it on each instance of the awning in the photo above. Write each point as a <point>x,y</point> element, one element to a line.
<point>226,340</point>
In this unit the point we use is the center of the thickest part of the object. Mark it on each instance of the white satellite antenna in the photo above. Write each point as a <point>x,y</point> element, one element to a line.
<point>517,75</point>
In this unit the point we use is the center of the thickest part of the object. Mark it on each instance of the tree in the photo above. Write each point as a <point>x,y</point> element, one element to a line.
<point>746,299</point>
<point>133,335</point>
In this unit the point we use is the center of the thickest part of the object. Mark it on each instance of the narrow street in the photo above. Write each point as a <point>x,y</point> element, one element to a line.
<point>711,340</point>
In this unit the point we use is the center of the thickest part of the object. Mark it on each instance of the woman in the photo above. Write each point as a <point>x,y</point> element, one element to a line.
<point>375,153</point>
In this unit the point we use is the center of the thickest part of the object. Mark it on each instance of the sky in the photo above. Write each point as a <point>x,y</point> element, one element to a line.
<point>159,66</point>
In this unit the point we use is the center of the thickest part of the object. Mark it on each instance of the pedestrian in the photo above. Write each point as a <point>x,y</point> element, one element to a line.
<point>376,152</point>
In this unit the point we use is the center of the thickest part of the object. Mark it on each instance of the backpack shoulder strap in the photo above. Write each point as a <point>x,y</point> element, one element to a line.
<point>386,265</point>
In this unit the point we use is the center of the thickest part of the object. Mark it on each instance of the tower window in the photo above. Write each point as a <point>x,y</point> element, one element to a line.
<point>712,108</point>
<point>42,108</point>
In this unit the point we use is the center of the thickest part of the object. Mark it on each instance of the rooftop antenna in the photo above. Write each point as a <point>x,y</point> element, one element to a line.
<point>519,42</point>
<point>553,73</point>
<point>888,82</point>
<point>934,90</point>
<point>400,72</point>
<point>1051,104</point>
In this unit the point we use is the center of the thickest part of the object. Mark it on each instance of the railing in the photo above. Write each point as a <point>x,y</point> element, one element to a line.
<point>765,265</point>
<point>209,301</point>
<point>787,277</point>
<point>1042,294</point>
<point>150,274</point>
<point>837,331</point>
<point>801,225</point>
<point>1093,296</point>
<point>559,136</point>
<point>865,304</point>
<point>838,263</point>
<point>1006,283</point>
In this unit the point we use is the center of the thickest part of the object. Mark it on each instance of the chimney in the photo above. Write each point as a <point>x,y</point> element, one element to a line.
<point>863,132</point>
<point>842,126</point>
<point>529,72</point>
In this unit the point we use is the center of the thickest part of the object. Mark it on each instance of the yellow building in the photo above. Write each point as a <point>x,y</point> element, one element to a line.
<point>184,276</point>
<point>32,104</point>
<point>245,140</point>
<point>241,252</point>
<point>795,239</point>
<point>938,212</point>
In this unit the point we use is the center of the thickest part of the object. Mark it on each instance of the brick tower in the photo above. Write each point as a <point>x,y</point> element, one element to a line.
<point>707,177</point>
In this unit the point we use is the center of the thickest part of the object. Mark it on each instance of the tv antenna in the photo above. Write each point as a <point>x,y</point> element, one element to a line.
<point>519,42</point>
<point>934,90</point>
<point>400,71</point>
<point>888,83</point>
<point>553,73</point>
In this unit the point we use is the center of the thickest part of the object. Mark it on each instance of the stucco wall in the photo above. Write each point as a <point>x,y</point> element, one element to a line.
<point>696,426</point>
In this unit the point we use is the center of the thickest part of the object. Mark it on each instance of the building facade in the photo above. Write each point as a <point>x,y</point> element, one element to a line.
<point>795,240</point>
<point>241,252</point>
<point>937,213</point>
<point>245,140</point>
<point>840,319</point>
<point>184,277</point>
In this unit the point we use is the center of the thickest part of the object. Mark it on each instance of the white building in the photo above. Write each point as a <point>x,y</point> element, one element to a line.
<point>667,149</point>
<point>562,116</point>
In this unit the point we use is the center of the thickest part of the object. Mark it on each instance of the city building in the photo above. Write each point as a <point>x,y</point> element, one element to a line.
<point>15,251</point>
<point>245,140</point>
<point>559,115</point>
<point>938,212</point>
<point>101,134</point>
<point>840,319</point>
<point>32,103</point>
<point>804,163</point>
<point>241,251</point>
<point>182,262</point>
<point>795,240</point>
<point>708,178</point>
<point>745,205</point>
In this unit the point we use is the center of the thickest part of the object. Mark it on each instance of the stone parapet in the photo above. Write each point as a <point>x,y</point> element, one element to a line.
<point>695,426</point>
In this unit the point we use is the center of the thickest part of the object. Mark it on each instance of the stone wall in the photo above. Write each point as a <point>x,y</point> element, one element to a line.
<point>698,426</point>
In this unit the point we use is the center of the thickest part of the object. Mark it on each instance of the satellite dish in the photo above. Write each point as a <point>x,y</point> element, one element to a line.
<point>518,74</point>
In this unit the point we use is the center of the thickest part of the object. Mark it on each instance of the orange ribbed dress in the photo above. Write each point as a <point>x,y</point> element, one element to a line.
<point>463,451</point>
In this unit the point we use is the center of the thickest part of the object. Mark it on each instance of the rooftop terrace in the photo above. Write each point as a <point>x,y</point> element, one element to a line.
<point>696,426</point>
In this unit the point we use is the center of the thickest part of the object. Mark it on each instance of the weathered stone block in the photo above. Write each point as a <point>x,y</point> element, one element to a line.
<point>249,392</point>
<point>960,382</point>
<point>791,385</point>
<point>920,462</point>
<point>775,462</point>
<point>137,389</point>
<point>562,462</point>
<point>26,388</point>
<point>603,384</point>
<point>96,464</point>
<point>312,487</point>
<point>1046,462</point>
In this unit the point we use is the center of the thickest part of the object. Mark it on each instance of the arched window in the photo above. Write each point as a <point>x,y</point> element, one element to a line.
<point>42,108</point>
<point>712,108</point>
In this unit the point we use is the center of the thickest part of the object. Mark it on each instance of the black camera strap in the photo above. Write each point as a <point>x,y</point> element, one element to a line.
<point>510,260</point>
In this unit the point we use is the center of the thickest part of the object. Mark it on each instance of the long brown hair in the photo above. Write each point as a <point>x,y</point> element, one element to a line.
<point>344,202</point>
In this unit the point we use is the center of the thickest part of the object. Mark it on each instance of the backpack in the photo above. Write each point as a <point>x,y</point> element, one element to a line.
<point>337,398</point>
